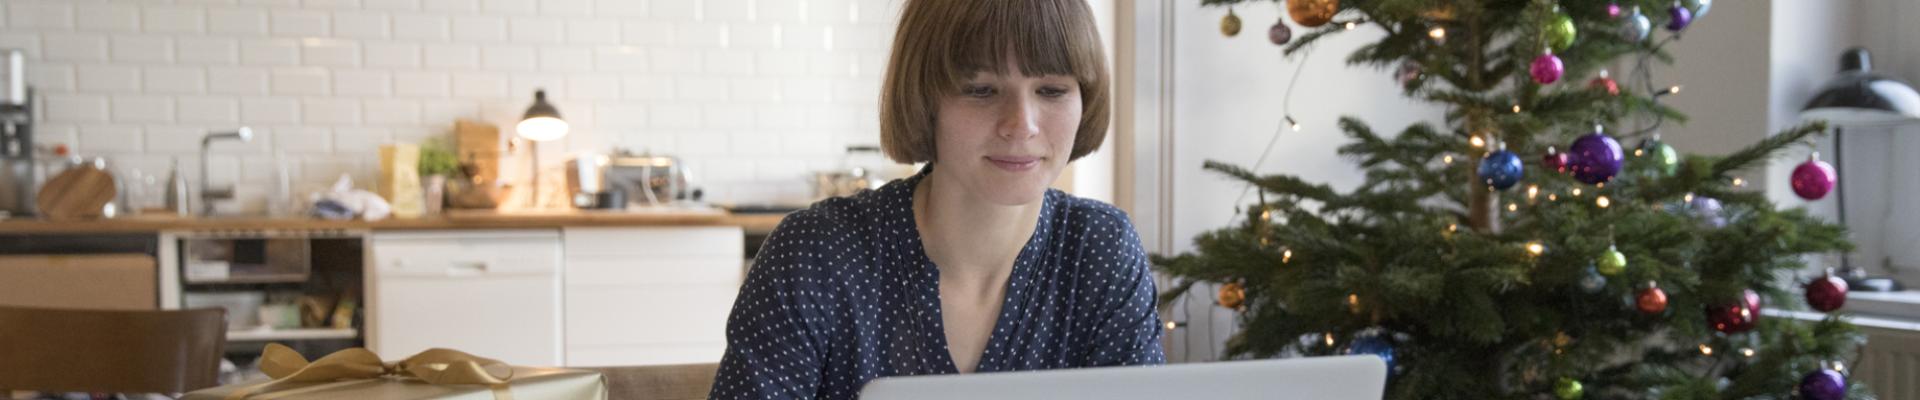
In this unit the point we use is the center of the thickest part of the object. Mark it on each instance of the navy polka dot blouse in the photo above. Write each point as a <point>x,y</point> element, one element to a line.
<point>842,293</point>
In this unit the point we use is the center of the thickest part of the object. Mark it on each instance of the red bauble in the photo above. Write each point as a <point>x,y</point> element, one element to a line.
<point>1605,84</point>
<point>1651,300</point>
<point>1738,316</point>
<point>1554,160</point>
<point>1827,293</point>
<point>1232,295</point>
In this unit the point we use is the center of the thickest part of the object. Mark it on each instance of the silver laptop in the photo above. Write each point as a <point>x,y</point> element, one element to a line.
<point>1345,377</point>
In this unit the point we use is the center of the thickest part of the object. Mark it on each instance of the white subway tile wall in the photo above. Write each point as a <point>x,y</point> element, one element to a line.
<point>752,93</point>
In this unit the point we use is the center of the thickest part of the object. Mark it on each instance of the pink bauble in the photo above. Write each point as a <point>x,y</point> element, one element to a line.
<point>1812,180</point>
<point>1613,10</point>
<point>1547,68</point>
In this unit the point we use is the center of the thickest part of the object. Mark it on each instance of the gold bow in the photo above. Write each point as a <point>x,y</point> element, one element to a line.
<point>435,366</point>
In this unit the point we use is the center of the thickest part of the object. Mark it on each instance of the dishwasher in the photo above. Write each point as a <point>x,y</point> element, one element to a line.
<point>494,294</point>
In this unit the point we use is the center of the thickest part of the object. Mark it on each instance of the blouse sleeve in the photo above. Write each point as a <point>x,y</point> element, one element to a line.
<point>1130,327</point>
<point>777,330</point>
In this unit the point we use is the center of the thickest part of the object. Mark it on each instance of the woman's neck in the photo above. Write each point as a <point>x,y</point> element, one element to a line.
<point>968,237</point>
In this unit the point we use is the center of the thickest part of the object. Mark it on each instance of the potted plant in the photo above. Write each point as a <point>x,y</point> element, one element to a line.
<point>437,162</point>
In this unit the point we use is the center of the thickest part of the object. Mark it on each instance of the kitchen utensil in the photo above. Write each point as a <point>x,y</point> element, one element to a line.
<point>649,179</point>
<point>79,192</point>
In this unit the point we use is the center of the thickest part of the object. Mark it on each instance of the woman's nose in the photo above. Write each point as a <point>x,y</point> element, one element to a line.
<point>1019,118</point>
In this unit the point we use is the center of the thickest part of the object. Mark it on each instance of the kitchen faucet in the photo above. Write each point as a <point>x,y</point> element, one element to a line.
<point>209,194</point>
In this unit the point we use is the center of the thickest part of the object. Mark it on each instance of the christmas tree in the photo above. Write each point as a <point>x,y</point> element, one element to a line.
<point>1596,272</point>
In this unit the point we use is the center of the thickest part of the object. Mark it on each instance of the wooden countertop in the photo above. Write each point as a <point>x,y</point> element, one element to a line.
<point>459,219</point>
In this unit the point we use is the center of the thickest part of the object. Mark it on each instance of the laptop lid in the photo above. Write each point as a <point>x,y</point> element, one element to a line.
<point>1344,377</point>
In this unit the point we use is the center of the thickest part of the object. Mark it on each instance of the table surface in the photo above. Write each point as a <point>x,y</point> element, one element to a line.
<point>458,219</point>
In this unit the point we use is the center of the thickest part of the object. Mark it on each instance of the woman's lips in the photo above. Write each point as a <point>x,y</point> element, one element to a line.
<point>1015,164</point>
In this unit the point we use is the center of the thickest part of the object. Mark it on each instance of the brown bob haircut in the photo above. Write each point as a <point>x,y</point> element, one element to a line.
<point>942,43</point>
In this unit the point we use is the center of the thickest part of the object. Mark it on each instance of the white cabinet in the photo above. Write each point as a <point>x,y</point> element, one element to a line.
<point>495,294</point>
<point>646,296</point>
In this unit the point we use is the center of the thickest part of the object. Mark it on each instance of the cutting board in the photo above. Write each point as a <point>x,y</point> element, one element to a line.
<point>78,192</point>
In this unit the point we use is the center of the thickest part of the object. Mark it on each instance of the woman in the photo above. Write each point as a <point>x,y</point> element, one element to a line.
<point>972,265</point>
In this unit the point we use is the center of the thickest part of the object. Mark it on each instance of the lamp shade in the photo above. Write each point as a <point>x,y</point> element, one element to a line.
<point>1860,96</point>
<point>542,122</point>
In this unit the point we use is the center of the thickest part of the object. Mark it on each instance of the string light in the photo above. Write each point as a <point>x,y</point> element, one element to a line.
<point>1329,336</point>
<point>1437,33</point>
<point>1603,202</point>
<point>1349,25</point>
<point>1353,303</point>
<point>1839,367</point>
<point>1172,325</point>
<point>1705,349</point>
<point>1533,191</point>
<point>1553,197</point>
<point>1576,192</point>
<point>1448,160</point>
<point>1737,182</point>
<point>1511,207</point>
<point>1535,248</point>
<point>1477,141</point>
<point>1293,123</point>
<point>1453,227</point>
<point>1516,108</point>
<point>1688,197</point>
<point>1286,256</point>
<point>1746,351</point>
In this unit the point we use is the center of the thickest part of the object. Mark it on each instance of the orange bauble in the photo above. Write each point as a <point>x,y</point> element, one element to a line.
<point>1312,13</point>
<point>1232,295</point>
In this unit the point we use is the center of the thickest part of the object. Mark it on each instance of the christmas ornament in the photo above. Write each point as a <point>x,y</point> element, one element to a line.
<point>1554,160</point>
<point>1678,17</point>
<point>1312,13</point>
<point>1279,34</point>
<point>1501,169</point>
<point>1651,299</point>
<point>1613,10</point>
<point>1735,317</point>
<point>1409,71</point>
<point>1595,158</point>
<point>1659,156</point>
<point>1813,179</point>
<point>1591,281</point>
<point>1568,389</point>
<point>1561,31</point>
<point>1232,295</point>
<point>1827,293</point>
<point>1373,344</point>
<point>1700,8</point>
<point>1230,25</point>
<point>1636,27</point>
<point>1605,83</point>
<point>1824,384</point>
<point>1547,68</point>
<point>1612,262</point>
<point>1707,211</point>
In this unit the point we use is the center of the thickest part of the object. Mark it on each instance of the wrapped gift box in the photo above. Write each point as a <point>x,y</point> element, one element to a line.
<point>435,374</point>
<point>527,384</point>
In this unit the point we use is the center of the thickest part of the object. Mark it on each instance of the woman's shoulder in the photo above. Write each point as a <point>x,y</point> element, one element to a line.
<point>1090,217</point>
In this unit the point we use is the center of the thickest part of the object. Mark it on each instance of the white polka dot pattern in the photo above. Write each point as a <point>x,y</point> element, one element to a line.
<point>842,293</point>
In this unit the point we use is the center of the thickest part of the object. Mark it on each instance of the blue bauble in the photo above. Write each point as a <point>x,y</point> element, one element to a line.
<point>1591,281</point>
<point>1501,169</point>
<point>1375,345</point>
<point>1595,158</point>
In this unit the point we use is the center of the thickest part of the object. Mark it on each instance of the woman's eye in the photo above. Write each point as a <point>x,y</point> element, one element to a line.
<point>977,91</point>
<point>1051,91</point>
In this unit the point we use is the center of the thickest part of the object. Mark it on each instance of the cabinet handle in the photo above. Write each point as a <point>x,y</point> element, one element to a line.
<point>467,268</point>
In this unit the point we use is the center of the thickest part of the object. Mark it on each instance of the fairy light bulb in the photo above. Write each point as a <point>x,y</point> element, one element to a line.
<point>1286,256</point>
<point>1535,248</point>
<point>1533,191</point>
<point>1576,192</point>
<point>1553,197</point>
<point>1603,202</point>
<point>1746,351</point>
<point>1349,25</point>
<point>1477,141</point>
<point>1688,198</point>
<point>1448,160</point>
<point>1172,325</point>
<point>1329,336</point>
<point>1706,350</point>
<point>1737,182</point>
<point>1511,207</point>
<point>1437,33</point>
<point>1516,108</point>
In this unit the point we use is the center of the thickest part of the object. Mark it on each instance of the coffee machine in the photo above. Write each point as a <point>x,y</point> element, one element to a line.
<point>17,165</point>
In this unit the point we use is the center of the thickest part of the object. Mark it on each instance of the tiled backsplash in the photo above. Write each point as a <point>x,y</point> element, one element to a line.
<point>752,93</point>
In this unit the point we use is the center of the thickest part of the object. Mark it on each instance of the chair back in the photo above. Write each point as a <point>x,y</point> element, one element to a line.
<point>110,351</point>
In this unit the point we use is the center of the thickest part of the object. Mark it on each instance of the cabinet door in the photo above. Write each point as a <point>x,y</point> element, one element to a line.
<point>649,296</point>
<point>495,294</point>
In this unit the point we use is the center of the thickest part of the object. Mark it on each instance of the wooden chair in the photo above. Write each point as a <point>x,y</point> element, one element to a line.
<point>659,382</point>
<point>110,351</point>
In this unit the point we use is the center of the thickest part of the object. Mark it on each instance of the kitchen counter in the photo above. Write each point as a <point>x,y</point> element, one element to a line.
<point>458,219</point>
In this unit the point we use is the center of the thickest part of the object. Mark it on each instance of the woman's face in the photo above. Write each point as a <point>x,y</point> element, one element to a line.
<point>1006,137</point>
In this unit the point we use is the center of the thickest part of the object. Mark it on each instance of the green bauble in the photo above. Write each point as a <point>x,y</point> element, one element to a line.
<point>1612,262</point>
<point>1568,389</point>
<point>1665,158</point>
<point>1561,32</point>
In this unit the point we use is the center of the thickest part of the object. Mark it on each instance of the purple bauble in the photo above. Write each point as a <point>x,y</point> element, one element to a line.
<point>1708,211</point>
<point>1547,69</point>
<point>1279,34</point>
<point>1594,158</point>
<point>1613,10</point>
<point>1681,17</point>
<point>1824,384</point>
<point>1812,180</point>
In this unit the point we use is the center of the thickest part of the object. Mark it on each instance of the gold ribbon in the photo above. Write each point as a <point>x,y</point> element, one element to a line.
<point>435,366</point>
